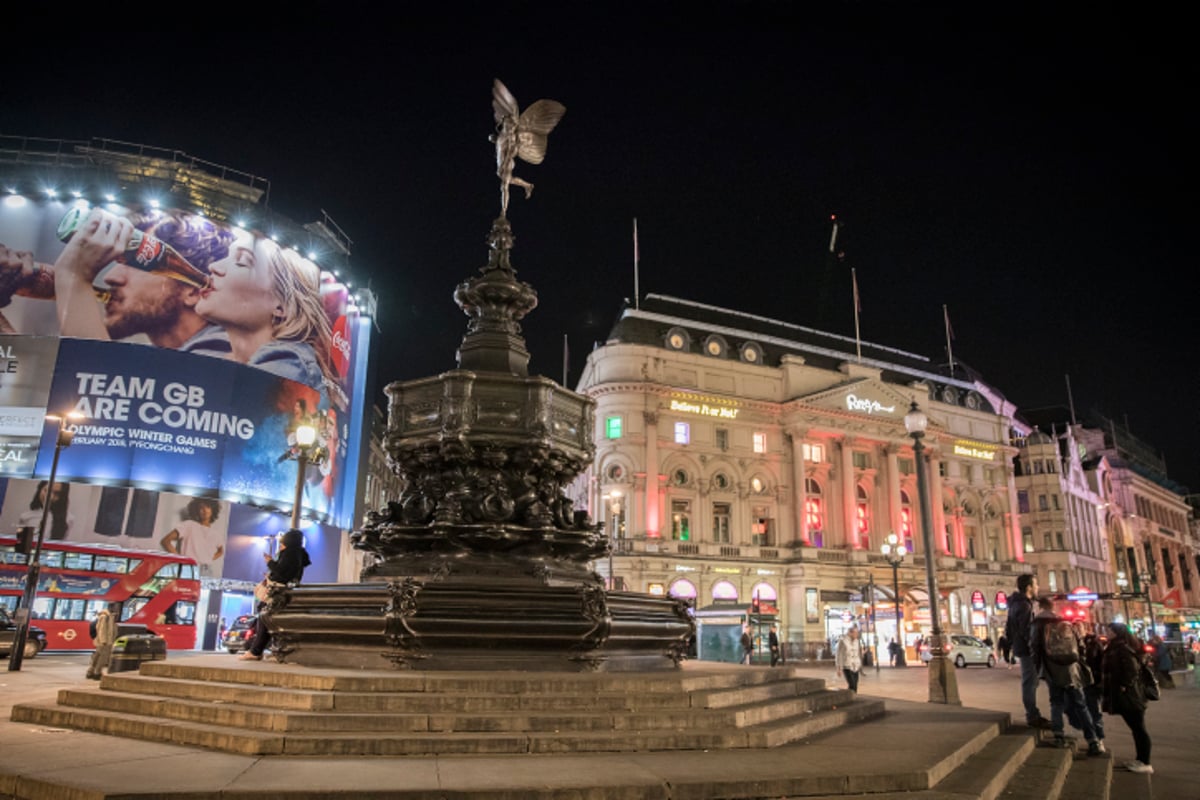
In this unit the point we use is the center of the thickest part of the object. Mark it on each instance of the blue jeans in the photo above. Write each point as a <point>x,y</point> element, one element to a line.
<point>1091,694</point>
<point>1069,700</point>
<point>1029,685</point>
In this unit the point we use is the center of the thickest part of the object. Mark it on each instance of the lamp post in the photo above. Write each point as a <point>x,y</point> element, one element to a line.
<point>306,434</point>
<point>1147,579</point>
<point>614,511</point>
<point>1122,585</point>
<point>894,552</point>
<point>874,626</point>
<point>33,574</point>
<point>943,684</point>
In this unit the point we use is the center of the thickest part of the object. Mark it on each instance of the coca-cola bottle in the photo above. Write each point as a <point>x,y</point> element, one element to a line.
<point>142,251</point>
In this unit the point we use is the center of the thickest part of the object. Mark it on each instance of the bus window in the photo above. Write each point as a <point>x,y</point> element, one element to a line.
<point>133,606</point>
<point>69,609</point>
<point>42,607</point>
<point>12,557</point>
<point>168,571</point>
<point>93,608</point>
<point>52,559</point>
<point>181,612</point>
<point>189,572</point>
<point>112,564</point>
<point>78,561</point>
<point>9,603</point>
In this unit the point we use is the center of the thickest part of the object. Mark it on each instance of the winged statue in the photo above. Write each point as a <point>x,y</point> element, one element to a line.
<point>520,135</point>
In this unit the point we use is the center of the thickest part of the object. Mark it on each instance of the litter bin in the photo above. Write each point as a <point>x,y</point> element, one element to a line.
<point>129,652</point>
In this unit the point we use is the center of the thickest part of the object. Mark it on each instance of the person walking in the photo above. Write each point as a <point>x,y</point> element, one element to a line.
<point>1056,650</point>
<point>1005,650</point>
<point>1162,662</point>
<point>285,569</point>
<point>849,658</point>
<point>1123,693</point>
<point>747,644</point>
<point>893,652</point>
<point>773,641</point>
<point>106,636</point>
<point>1016,630</point>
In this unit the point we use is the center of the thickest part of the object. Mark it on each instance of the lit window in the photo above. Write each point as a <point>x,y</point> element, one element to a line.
<point>721,515</point>
<point>760,442</point>
<point>683,433</point>
<point>722,439</point>
<point>863,514</point>
<point>762,527</point>
<point>681,529</point>
<point>906,522</point>
<point>724,590</point>
<point>814,512</point>
<point>612,427</point>
<point>756,485</point>
<point>813,452</point>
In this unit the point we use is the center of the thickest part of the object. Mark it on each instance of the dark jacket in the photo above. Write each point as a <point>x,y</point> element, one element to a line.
<point>1020,617</point>
<point>1058,675</point>
<point>288,566</point>
<point>1120,669</point>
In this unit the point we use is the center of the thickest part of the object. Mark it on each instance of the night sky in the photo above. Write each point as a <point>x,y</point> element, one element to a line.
<point>1035,176</point>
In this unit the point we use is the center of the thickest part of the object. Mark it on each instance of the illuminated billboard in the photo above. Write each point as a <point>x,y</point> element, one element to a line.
<point>189,348</point>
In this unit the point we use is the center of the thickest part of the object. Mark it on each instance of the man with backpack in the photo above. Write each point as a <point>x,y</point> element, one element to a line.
<point>104,637</point>
<point>1056,651</point>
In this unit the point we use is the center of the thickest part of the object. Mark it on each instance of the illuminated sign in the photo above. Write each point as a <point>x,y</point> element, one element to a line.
<point>1001,601</point>
<point>977,601</point>
<point>656,590</point>
<point>1083,596</point>
<point>865,405</point>
<point>682,568</point>
<point>974,450</point>
<point>704,410</point>
<point>978,618</point>
<point>727,570</point>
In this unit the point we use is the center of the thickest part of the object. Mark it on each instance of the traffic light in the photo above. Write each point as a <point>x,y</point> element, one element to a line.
<point>25,540</point>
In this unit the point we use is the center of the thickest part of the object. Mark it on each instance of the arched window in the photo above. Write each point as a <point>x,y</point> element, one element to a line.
<point>684,588</point>
<point>766,596</point>
<point>863,514</point>
<point>724,590</point>
<point>814,513</point>
<point>906,521</point>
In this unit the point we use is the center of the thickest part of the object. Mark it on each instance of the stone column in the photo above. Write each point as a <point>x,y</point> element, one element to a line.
<point>650,419</point>
<point>800,479</point>
<point>893,480</point>
<point>935,500</point>
<point>848,494</point>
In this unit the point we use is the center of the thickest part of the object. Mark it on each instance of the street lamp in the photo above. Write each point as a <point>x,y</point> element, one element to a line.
<point>943,684</point>
<point>306,435</point>
<point>894,552</point>
<point>33,574</point>
<point>614,511</point>
<point>1122,585</point>
<point>1147,579</point>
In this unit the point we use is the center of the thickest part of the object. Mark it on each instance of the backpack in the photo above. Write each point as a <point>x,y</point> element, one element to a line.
<point>1059,642</point>
<point>92,629</point>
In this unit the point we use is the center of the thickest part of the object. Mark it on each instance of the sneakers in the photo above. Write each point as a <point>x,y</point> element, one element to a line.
<point>248,656</point>
<point>1097,748</point>
<point>1137,766</point>
<point>1061,742</point>
<point>1040,722</point>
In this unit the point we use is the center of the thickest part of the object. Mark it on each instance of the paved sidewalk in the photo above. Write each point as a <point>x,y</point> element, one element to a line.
<point>1173,722</point>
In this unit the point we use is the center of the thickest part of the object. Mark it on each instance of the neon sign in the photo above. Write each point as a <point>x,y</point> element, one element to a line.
<point>704,410</point>
<point>974,450</point>
<point>866,405</point>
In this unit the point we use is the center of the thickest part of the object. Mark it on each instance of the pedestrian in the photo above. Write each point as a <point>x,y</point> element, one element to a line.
<point>1057,652</point>
<point>849,658</point>
<point>773,640</point>
<point>1124,694</point>
<point>1162,662</point>
<point>285,569</point>
<point>1020,617</point>
<point>104,638</point>
<point>1005,651</point>
<point>893,652</point>
<point>1093,660</point>
<point>747,644</point>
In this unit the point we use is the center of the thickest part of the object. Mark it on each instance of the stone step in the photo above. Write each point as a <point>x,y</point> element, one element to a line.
<point>1042,775</point>
<point>985,774</point>
<point>1090,779</point>
<point>266,673</point>
<point>256,717</point>
<point>392,743</point>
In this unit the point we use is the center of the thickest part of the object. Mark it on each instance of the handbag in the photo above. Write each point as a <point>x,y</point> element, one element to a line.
<point>1149,682</point>
<point>262,591</point>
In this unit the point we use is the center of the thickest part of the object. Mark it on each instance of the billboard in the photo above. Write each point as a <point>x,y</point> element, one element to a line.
<point>190,350</point>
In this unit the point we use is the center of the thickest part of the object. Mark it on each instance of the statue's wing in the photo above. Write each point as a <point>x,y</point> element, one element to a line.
<point>534,126</point>
<point>503,103</point>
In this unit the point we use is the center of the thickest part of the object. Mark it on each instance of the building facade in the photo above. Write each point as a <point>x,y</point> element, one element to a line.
<point>743,461</point>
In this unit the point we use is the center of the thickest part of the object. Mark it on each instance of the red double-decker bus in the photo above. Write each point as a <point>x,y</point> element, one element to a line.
<point>156,589</point>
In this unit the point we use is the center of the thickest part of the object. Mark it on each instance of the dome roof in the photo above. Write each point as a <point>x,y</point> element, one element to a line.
<point>1038,437</point>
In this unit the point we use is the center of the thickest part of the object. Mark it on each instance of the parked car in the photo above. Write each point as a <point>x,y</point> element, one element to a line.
<point>237,638</point>
<point>35,641</point>
<point>964,650</point>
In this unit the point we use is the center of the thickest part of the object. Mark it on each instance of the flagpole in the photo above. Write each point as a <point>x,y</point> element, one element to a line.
<point>857,338</point>
<point>637,300</point>
<point>564,381</point>
<point>949,336</point>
